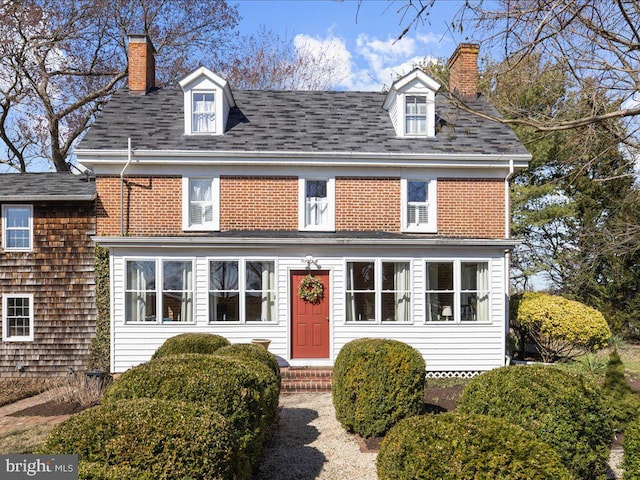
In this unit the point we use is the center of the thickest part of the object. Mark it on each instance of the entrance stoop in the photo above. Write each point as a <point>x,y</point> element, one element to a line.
<point>306,379</point>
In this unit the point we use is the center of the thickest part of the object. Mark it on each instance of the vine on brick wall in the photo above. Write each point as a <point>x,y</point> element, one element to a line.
<point>99,351</point>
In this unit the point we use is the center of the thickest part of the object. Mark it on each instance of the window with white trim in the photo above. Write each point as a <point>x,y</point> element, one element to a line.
<point>242,291</point>
<point>378,291</point>
<point>164,286</point>
<point>419,206</point>
<point>203,118</point>
<point>415,115</point>
<point>317,204</point>
<point>201,203</point>
<point>17,318</point>
<point>458,291</point>
<point>17,228</point>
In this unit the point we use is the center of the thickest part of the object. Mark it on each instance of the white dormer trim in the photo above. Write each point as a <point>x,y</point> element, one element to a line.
<point>416,83</point>
<point>204,80</point>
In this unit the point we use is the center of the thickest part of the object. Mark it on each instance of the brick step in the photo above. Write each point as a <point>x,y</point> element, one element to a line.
<point>306,380</point>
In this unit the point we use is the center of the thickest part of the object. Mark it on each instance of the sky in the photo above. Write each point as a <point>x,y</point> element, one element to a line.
<point>360,35</point>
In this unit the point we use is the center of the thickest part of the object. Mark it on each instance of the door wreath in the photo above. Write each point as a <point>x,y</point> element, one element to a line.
<point>311,289</point>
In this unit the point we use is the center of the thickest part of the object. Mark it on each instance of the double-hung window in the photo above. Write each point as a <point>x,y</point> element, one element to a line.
<point>316,205</point>
<point>201,203</point>
<point>415,115</point>
<point>203,119</point>
<point>419,206</point>
<point>457,291</point>
<point>17,318</point>
<point>378,291</point>
<point>164,286</point>
<point>242,291</point>
<point>17,228</point>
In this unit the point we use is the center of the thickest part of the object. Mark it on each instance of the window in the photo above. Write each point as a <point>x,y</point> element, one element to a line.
<point>468,302</point>
<point>17,318</point>
<point>257,291</point>
<point>419,208</point>
<point>378,291</point>
<point>17,221</point>
<point>175,299</point>
<point>201,201</point>
<point>317,200</point>
<point>203,118</point>
<point>415,115</point>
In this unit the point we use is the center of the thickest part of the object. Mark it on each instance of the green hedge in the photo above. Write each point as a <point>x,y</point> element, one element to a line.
<point>455,447</point>
<point>243,391</point>
<point>104,471</point>
<point>166,439</point>
<point>623,404</point>
<point>250,351</point>
<point>563,409</point>
<point>377,383</point>
<point>631,446</point>
<point>190,343</point>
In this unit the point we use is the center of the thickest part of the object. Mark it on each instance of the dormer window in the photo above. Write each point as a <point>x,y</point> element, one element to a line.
<point>204,116</point>
<point>416,115</point>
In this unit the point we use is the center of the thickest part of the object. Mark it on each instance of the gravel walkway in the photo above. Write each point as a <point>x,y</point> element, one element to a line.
<point>310,444</point>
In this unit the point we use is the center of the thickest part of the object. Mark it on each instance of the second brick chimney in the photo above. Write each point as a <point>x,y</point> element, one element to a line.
<point>142,64</point>
<point>463,71</point>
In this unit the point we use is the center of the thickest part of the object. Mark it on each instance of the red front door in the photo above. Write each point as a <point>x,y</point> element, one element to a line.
<point>309,322</point>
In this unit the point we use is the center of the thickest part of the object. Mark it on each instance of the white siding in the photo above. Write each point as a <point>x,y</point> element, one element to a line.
<point>446,347</point>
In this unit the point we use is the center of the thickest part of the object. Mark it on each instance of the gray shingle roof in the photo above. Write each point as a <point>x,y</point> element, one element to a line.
<point>46,186</point>
<point>294,122</point>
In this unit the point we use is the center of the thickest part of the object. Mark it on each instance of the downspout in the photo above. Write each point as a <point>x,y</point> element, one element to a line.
<point>122,187</point>
<point>507,257</point>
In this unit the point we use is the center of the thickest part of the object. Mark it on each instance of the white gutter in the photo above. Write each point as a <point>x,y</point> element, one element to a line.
<point>122,187</point>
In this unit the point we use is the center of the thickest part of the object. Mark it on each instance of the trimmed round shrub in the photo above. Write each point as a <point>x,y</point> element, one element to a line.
<point>561,328</point>
<point>243,391</point>
<point>250,351</point>
<point>377,383</point>
<point>631,446</point>
<point>563,409</point>
<point>165,439</point>
<point>460,447</point>
<point>191,343</point>
<point>104,471</point>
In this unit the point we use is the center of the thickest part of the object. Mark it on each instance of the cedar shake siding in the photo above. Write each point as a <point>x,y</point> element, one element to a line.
<point>59,275</point>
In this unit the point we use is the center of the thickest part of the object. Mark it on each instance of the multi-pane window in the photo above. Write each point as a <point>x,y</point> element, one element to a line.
<point>257,291</point>
<point>17,324</point>
<point>143,301</point>
<point>419,207</point>
<point>17,221</point>
<point>378,291</point>
<point>440,291</point>
<point>458,291</point>
<point>316,203</point>
<point>203,117</point>
<point>201,203</point>
<point>415,115</point>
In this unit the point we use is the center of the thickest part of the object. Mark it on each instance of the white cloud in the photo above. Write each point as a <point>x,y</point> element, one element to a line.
<point>328,61</point>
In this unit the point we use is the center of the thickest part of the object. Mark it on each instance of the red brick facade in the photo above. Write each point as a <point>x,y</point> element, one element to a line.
<point>463,70</point>
<point>466,207</point>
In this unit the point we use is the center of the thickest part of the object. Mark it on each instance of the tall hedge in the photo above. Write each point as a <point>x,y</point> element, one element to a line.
<point>563,409</point>
<point>191,343</point>
<point>623,404</point>
<point>461,447</point>
<point>561,328</point>
<point>166,439</point>
<point>243,391</point>
<point>99,350</point>
<point>377,383</point>
<point>631,446</point>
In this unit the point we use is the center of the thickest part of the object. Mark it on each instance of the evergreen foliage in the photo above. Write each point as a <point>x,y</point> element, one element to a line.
<point>623,404</point>
<point>99,353</point>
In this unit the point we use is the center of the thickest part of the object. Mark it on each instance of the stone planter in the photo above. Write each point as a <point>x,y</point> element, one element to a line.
<point>263,342</point>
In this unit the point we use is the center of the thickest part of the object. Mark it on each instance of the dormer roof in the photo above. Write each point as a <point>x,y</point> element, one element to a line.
<point>199,78</point>
<point>405,82</point>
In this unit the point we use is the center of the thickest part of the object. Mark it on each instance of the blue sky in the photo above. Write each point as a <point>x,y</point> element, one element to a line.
<point>361,40</point>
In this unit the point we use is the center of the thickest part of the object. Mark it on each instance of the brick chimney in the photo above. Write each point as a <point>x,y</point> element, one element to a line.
<point>142,64</point>
<point>463,71</point>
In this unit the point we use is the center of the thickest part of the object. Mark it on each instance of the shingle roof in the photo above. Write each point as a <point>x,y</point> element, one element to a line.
<point>46,186</point>
<point>300,121</point>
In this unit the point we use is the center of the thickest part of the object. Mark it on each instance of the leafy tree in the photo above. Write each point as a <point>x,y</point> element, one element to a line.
<point>61,61</point>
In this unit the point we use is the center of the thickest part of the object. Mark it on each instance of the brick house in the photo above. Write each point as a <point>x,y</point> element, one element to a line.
<point>47,285</point>
<point>216,204</point>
